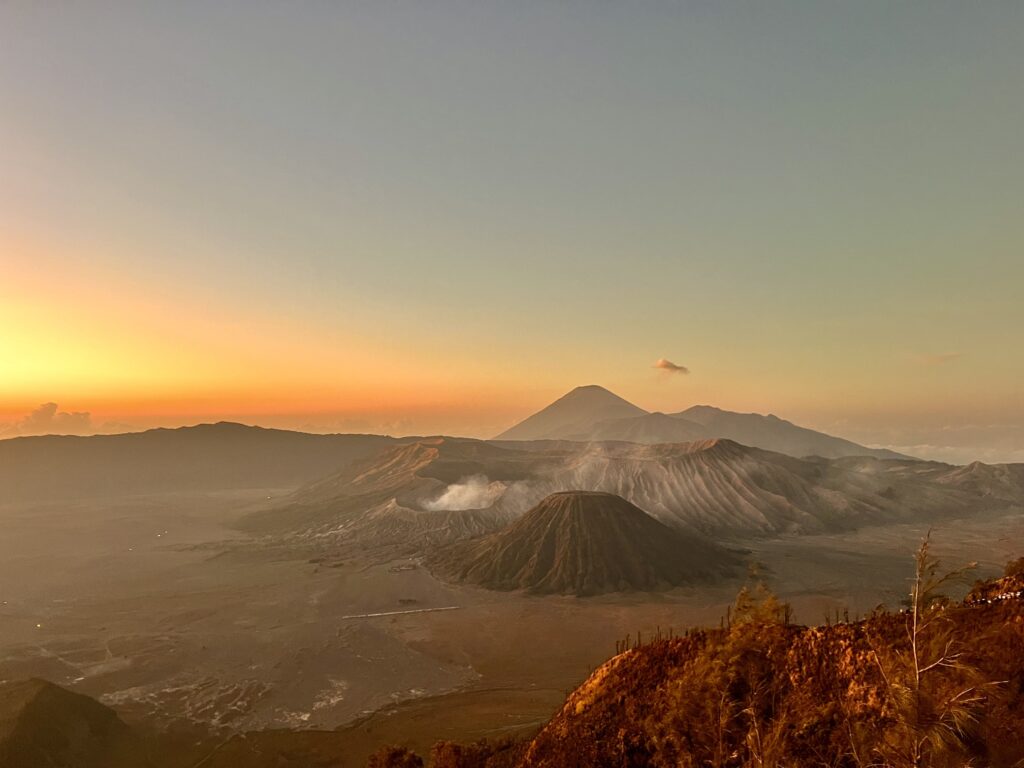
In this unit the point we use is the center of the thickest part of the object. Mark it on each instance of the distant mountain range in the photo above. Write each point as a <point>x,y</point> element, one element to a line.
<point>207,457</point>
<point>592,413</point>
<point>432,492</point>
<point>227,456</point>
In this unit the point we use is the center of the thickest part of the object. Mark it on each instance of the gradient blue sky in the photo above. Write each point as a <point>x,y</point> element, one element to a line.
<point>440,216</point>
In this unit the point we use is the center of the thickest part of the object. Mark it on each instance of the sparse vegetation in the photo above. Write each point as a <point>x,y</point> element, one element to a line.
<point>394,757</point>
<point>933,694</point>
<point>936,685</point>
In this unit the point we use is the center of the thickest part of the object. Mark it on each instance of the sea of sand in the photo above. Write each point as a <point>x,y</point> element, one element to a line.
<point>160,608</point>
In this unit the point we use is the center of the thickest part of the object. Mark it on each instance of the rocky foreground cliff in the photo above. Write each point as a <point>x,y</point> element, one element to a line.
<point>937,684</point>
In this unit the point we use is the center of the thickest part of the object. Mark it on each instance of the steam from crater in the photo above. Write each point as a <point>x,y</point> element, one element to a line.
<point>473,492</point>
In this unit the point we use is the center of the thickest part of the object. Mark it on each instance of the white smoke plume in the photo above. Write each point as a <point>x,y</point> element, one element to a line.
<point>473,492</point>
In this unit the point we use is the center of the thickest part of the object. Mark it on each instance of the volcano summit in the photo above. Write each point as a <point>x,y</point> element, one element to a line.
<point>584,543</point>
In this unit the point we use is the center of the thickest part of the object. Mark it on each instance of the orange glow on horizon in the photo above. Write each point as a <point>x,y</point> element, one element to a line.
<point>144,354</point>
<point>101,343</point>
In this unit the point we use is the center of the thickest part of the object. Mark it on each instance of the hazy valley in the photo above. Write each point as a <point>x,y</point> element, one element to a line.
<point>233,580</point>
<point>295,299</point>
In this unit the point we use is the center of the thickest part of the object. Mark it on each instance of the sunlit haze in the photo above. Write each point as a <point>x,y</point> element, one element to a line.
<point>421,218</point>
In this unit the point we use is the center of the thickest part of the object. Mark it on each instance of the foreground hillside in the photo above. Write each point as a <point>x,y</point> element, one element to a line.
<point>758,691</point>
<point>44,725</point>
<point>942,685</point>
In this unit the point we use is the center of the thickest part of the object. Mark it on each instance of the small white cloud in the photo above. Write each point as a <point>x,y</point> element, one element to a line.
<point>669,367</point>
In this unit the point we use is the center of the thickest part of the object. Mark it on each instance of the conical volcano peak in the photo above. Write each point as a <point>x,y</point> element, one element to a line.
<point>573,412</point>
<point>584,543</point>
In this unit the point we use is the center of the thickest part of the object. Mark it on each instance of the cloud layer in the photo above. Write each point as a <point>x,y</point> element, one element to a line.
<point>47,419</point>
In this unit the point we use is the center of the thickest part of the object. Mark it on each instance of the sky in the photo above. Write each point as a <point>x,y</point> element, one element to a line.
<point>437,217</point>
